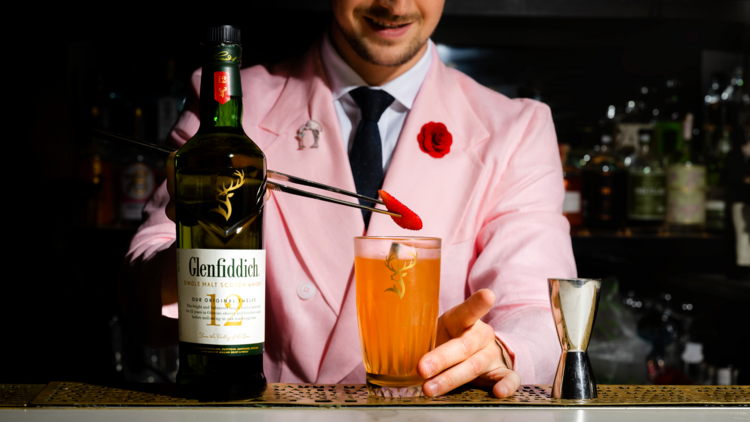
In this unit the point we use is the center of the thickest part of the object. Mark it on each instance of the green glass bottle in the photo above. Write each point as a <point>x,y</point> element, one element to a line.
<point>220,186</point>
<point>686,188</point>
<point>646,188</point>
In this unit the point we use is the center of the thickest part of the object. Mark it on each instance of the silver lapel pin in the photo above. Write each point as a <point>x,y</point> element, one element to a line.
<point>313,127</point>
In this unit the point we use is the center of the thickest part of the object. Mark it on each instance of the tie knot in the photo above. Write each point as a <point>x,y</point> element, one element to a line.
<point>371,102</point>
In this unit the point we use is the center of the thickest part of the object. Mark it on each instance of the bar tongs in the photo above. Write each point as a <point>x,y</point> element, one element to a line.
<point>275,175</point>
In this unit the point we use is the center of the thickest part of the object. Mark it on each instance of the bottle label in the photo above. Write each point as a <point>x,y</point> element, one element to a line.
<point>686,203</point>
<point>221,73</point>
<point>572,202</point>
<point>647,197</point>
<point>221,298</point>
<point>221,87</point>
<point>136,185</point>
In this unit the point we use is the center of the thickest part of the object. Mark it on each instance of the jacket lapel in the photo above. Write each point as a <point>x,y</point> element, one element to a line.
<point>436,189</point>
<point>321,232</point>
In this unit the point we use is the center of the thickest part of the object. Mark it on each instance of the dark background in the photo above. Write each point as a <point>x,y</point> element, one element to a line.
<point>577,56</point>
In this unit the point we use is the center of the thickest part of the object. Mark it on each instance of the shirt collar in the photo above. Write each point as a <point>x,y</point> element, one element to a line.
<point>344,79</point>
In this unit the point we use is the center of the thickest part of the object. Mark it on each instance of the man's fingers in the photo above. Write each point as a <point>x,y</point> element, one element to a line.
<point>507,382</point>
<point>456,350</point>
<point>460,374</point>
<point>467,313</point>
<point>170,186</point>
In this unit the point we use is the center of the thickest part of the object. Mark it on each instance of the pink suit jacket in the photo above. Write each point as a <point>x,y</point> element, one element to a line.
<point>495,200</point>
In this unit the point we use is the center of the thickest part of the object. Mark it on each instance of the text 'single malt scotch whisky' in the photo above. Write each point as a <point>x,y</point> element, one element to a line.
<point>220,185</point>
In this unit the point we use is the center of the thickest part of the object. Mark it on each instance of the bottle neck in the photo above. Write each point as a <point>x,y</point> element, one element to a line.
<point>686,153</point>
<point>221,90</point>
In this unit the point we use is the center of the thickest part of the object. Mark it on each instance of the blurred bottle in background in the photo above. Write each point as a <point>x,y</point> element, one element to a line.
<point>647,188</point>
<point>692,358</point>
<point>712,157</point>
<point>573,185</point>
<point>137,175</point>
<point>686,181</point>
<point>169,104</point>
<point>94,165</point>
<point>604,186</point>
<point>637,116</point>
<point>668,116</point>
<point>662,327</point>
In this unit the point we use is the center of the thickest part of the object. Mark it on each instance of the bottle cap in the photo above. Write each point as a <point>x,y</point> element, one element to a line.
<point>227,34</point>
<point>693,353</point>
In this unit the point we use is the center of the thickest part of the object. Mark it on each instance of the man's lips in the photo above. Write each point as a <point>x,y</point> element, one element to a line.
<point>387,29</point>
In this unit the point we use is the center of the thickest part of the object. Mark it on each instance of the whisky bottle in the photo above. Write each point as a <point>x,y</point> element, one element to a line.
<point>686,186</point>
<point>573,184</point>
<point>604,184</point>
<point>646,188</point>
<point>220,185</point>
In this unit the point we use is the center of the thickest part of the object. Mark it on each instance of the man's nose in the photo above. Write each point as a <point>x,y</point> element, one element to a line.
<point>396,7</point>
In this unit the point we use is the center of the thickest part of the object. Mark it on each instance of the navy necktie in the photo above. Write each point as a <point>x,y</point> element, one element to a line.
<point>366,155</point>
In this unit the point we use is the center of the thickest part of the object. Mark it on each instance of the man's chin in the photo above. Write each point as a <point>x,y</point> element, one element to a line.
<point>384,52</point>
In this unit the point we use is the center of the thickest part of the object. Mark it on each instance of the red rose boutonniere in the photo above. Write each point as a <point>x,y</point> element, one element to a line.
<point>435,139</point>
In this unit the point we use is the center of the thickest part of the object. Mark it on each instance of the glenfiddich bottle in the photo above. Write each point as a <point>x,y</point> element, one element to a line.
<point>220,185</point>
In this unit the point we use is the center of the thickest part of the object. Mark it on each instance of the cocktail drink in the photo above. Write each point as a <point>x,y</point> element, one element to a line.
<point>398,288</point>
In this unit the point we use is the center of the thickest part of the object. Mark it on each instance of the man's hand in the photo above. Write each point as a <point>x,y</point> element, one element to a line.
<point>467,351</point>
<point>170,187</point>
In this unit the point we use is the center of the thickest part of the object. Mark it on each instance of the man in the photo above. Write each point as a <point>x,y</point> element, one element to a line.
<point>492,190</point>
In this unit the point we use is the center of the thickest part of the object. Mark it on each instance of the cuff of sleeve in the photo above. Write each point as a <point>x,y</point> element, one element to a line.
<point>507,358</point>
<point>520,357</point>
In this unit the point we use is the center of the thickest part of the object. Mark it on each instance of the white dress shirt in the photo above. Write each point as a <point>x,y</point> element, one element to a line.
<point>404,89</point>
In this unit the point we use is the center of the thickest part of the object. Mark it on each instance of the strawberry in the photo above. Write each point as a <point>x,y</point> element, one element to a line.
<point>409,220</point>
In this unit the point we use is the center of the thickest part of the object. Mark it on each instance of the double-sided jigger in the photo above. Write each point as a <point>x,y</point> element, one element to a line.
<point>574,304</point>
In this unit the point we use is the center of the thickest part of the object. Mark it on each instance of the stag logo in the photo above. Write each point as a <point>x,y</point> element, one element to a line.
<point>399,273</point>
<point>225,192</point>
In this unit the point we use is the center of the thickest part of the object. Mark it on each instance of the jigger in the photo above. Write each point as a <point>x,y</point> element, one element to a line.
<point>574,304</point>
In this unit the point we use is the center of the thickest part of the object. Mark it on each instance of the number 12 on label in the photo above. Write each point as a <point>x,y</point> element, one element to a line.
<point>228,305</point>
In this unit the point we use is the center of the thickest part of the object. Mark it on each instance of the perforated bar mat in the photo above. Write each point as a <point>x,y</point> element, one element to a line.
<point>18,395</point>
<point>80,394</point>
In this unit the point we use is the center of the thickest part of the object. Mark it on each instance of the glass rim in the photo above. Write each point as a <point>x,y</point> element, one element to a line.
<point>398,238</point>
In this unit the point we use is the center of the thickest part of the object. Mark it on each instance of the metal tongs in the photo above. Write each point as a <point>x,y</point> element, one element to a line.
<point>275,175</point>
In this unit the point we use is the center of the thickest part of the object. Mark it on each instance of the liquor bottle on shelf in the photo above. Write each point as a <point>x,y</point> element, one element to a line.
<point>637,117</point>
<point>646,188</point>
<point>220,191</point>
<point>669,133</point>
<point>604,184</point>
<point>573,186</point>
<point>686,183</point>
<point>169,104</point>
<point>737,178</point>
<point>94,168</point>
<point>715,189</point>
<point>137,175</point>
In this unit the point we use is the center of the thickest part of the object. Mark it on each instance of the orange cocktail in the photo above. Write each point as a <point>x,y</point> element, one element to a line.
<point>398,288</point>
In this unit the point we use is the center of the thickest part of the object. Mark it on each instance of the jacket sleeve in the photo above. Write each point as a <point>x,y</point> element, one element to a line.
<point>147,287</point>
<point>524,240</point>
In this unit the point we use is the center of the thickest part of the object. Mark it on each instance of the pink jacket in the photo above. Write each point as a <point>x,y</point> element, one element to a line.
<point>495,200</point>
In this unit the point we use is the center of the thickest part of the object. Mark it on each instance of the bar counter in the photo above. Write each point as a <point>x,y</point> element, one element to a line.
<point>331,403</point>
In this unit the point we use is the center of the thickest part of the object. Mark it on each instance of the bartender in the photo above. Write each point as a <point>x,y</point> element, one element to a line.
<point>481,170</point>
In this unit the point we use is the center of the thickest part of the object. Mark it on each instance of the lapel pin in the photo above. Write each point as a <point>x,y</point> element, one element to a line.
<point>313,127</point>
